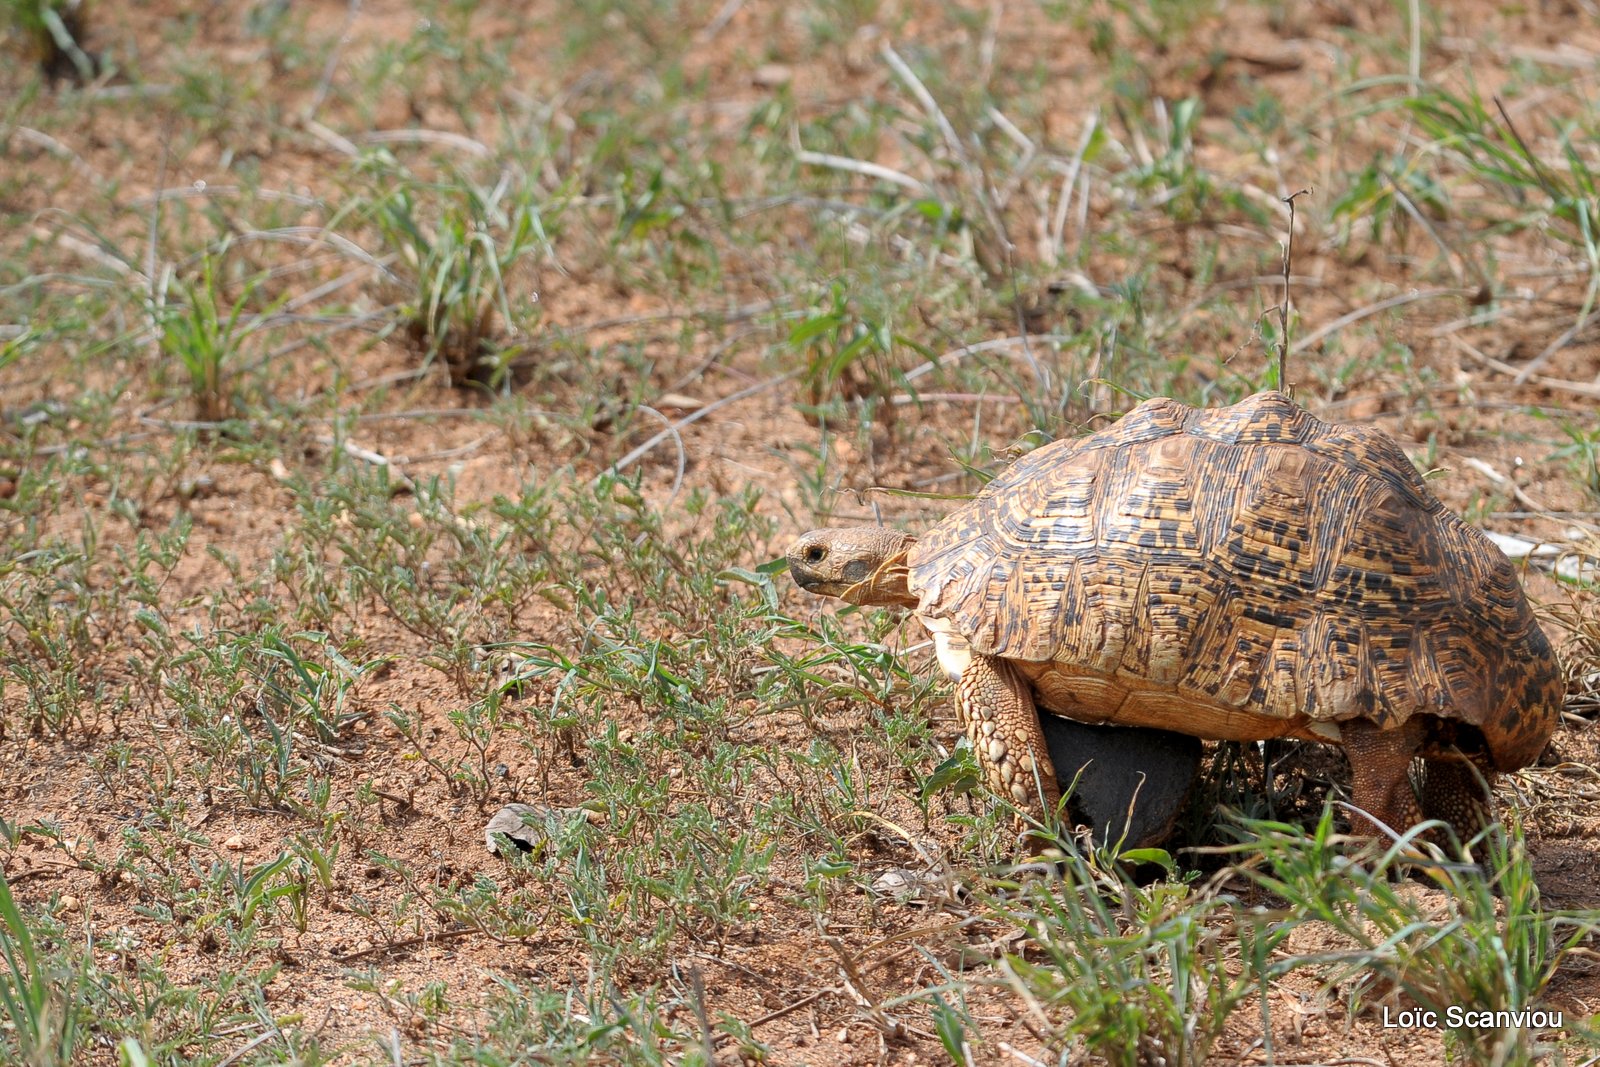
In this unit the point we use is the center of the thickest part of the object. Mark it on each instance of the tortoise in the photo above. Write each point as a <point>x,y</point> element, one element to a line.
<point>1235,573</point>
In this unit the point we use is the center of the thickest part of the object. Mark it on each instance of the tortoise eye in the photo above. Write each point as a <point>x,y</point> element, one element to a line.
<point>815,554</point>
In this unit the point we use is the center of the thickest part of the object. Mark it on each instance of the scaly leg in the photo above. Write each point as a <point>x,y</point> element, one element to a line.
<point>996,708</point>
<point>1380,785</point>
<point>1452,792</point>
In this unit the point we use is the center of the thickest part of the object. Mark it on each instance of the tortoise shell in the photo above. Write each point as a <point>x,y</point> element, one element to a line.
<point>1242,573</point>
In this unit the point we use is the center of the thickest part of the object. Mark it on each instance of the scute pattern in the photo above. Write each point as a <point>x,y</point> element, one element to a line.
<point>1241,572</point>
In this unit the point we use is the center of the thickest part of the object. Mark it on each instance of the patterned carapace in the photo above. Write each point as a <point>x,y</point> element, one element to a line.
<point>1243,572</point>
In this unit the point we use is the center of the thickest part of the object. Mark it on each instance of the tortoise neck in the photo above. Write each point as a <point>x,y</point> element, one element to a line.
<point>889,585</point>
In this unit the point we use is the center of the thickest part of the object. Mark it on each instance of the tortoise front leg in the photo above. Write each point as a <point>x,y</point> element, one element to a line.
<point>996,707</point>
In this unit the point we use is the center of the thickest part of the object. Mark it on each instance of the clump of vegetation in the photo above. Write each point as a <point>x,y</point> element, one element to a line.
<point>1137,974</point>
<point>41,993</point>
<point>204,332</point>
<point>1155,973</point>
<point>453,245</point>
<point>54,32</point>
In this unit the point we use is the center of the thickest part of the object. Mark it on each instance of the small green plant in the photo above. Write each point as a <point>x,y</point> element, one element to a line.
<point>1493,150</point>
<point>1560,197</point>
<point>205,332</point>
<point>456,243</point>
<point>1484,943</point>
<point>1583,454</point>
<point>243,901</point>
<point>40,996</point>
<point>54,32</point>
<point>1139,974</point>
<point>593,1023</point>
<point>14,341</point>
<point>848,355</point>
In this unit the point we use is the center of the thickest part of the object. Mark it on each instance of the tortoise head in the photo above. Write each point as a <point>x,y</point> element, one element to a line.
<point>858,564</point>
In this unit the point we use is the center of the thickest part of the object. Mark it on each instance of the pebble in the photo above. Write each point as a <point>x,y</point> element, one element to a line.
<point>509,821</point>
<point>234,843</point>
<point>201,485</point>
<point>771,75</point>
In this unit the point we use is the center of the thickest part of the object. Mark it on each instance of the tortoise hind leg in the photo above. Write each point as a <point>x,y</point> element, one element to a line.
<point>1454,791</point>
<point>1380,779</point>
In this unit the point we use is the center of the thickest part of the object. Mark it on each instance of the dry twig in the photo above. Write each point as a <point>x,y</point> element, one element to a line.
<point>1283,307</point>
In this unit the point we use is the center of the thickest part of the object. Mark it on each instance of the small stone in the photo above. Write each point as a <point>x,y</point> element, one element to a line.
<point>843,1036</point>
<point>679,400</point>
<point>771,75</point>
<point>522,823</point>
<point>234,843</point>
<point>198,486</point>
<point>904,885</point>
<point>416,521</point>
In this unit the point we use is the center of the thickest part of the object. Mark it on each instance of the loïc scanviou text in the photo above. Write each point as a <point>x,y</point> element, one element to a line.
<point>1458,1018</point>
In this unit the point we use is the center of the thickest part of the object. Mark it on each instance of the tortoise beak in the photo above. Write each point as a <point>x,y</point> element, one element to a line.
<point>804,578</point>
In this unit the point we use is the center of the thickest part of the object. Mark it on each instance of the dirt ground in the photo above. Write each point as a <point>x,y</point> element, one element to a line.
<point>1486,434</point>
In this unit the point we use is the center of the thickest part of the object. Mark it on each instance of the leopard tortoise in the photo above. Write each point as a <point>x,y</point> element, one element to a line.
<point>1242,573</point>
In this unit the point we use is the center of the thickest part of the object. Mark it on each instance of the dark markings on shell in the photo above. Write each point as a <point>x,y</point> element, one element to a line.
<point>1241,572</point>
